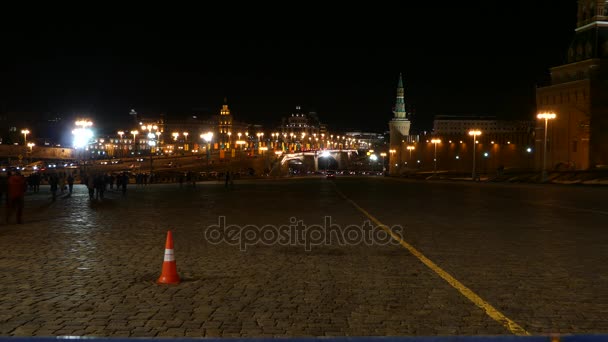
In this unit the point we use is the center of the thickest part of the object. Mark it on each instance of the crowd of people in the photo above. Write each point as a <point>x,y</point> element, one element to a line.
<point>13,185</point>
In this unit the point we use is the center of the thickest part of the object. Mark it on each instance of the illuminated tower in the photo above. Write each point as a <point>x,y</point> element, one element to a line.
<point>225,123</point>
<point>399,130</point>
<point>578,95</point>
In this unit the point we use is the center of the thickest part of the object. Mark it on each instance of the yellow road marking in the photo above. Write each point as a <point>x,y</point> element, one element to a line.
<point>468,293</point>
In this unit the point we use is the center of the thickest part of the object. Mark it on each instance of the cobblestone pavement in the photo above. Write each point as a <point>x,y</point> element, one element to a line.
<point>78,267</point>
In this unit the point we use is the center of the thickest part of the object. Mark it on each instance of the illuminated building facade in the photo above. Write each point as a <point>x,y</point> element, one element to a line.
<point>577,139</point>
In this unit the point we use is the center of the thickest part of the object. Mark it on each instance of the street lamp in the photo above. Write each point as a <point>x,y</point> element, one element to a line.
<point>435,141</point>
<point>82,135</point>
<point>373,158</point>
<point>383,154</point>
<point>186,146</point>
<point>411,148</point>
<point>25,132</point>
<point>120,141</point>
<point>547,117</point>
<point>474,133</point>
<point>207,137</point>
<point>151,143</point>
<point>135,133</point>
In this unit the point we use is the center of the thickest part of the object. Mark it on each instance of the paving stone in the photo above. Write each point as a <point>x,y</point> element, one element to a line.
<point>90,268</point>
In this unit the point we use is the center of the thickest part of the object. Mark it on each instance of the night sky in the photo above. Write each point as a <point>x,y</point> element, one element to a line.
<point>486,59</point>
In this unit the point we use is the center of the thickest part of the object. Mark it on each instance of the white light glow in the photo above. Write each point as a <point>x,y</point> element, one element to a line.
<point>82,136</point>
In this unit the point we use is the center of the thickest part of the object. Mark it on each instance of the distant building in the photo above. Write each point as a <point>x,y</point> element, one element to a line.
<point>578,94</point>
<point>225,134</point>
<point>367,140</point>
<point>300,122</point>
<point>499,131</point>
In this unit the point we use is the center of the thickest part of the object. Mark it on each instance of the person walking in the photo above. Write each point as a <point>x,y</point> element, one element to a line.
<point>16,195</point>
<point>4,187</point>
<point>90,181</point>
<point>53,182</point>
<point>124,180</point>
<point>229,180</point>
<point>61,183</point>
<point>70,183</point>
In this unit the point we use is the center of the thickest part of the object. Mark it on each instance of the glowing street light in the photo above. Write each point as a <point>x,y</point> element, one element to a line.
<point>175,135</point>
<point>547,117</point>
<point>474,133</point>
<point>383,154</point>
<point>374,159</point>
<point>120,141</point>
<point>207,137</point>
<point>135,133</point>
<point>25,132</point>
<point>82,134</point>
<point>411,148</point>
<point>435,142</point>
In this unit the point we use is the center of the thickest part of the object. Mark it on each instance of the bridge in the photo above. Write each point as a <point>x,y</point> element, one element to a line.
<point>330,159</point>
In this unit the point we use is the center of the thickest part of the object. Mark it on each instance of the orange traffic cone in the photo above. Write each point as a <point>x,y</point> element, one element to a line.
<point>169,272</point>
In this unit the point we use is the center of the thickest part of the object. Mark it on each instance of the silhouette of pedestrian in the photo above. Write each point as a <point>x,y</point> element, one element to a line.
<point>54,182</point>
<point>124,180</point>
<point>70,183</point>
<point>16,195</point>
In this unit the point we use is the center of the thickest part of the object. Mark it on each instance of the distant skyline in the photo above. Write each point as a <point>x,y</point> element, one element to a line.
<point>486,59</point>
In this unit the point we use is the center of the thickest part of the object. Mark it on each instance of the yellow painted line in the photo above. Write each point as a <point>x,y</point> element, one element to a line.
<point>465,291</point>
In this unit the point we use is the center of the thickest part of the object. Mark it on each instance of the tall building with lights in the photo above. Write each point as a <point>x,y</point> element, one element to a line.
<point>399,130</point>
<point>578,94</point>
<point>225,123</point>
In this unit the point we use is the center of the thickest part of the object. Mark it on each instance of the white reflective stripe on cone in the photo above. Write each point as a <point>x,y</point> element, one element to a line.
<point>169,255</point>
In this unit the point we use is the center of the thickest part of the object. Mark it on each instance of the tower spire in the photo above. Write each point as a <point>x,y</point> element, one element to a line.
<point>400,101</point>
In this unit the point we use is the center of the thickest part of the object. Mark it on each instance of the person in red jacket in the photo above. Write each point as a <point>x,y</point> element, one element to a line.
<point>16,195</point>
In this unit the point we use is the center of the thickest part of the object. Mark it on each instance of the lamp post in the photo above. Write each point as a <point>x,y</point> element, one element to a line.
<point>411,148</point>
<point>207,137</point>
<point>151,143</point>
<point>186,146</point>
<point>391,159</point>
<point>547,117</point>
<point>82,135</point>
<point>135,133</point>
<point>120,142</point>
<point>25,132</point>
<point>373,159</point>
<point>383,154</point>
<point>435,142</point>
<point>474,133</point>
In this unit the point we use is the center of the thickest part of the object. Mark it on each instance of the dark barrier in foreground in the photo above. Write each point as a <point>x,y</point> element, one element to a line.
<point>543,338</point>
